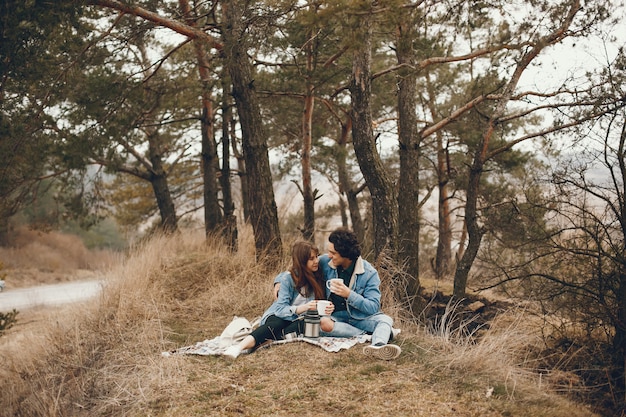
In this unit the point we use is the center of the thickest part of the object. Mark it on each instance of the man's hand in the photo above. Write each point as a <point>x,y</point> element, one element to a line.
<point>329,309</point>
<point>338,287</point>
<point>275,290</point>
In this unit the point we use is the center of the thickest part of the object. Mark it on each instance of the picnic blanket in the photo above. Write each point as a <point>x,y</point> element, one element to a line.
<point>240,327</point>
<point>216,346</point>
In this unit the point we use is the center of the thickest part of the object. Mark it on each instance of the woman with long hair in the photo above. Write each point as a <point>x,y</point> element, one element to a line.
<point>301,286</point>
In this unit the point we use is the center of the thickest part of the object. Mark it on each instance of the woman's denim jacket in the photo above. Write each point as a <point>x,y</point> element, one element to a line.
<point>283,306</point>
<point>364,299</point>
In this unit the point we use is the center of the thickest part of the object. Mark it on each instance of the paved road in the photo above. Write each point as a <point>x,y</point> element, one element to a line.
<point>48,295</point>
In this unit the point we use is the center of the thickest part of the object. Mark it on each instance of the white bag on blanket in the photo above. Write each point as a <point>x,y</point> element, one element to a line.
<point>235,332</point>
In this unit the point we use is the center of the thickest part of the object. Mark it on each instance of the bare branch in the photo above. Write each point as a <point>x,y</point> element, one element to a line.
<point>172,24</point>
<point>552,129</point>
<point>455,115</point>
<point>336,56</point>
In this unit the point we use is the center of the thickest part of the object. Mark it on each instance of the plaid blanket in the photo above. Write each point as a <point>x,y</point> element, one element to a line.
<point>216,346</point>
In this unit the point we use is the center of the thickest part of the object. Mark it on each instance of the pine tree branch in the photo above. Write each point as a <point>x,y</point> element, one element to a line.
<point>150,16</point>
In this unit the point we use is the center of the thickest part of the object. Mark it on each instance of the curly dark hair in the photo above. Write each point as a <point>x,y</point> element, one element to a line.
<point>346,243</point>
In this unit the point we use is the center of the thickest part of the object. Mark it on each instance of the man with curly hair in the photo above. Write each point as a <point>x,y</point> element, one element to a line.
<point>355,293</point>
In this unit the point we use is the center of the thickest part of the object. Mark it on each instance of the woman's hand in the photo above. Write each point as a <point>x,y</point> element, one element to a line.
<point>311,305</point>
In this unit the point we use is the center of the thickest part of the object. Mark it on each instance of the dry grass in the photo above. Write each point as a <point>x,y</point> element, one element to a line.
<point>35,257</point>
<point>104,358</point>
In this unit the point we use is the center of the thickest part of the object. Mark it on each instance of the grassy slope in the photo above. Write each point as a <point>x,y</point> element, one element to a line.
<point>36,258</point>
<point>104,358</point>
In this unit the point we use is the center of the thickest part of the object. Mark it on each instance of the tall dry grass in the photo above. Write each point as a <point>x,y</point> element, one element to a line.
<point>103,358</point>
<point>34,257</point>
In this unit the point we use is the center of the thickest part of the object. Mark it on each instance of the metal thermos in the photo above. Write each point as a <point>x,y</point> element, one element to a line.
<point>311,324</point>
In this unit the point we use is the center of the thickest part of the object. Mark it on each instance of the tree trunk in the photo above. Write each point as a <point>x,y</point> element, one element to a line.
<point>462,240</point>
<point>474,230</point>
<point>263,211</point>
<point>345,184</point>
<point>229,231</point>
<point>209,160</point>
<point>343,212</point>
<point>443,259</point>
<point>384,203</point>
<point>308,230</point>
<point>409,152</point>
<point>619,338</point>
<point>158,180</point>
<point>210,166</point>
<point>241,172</point>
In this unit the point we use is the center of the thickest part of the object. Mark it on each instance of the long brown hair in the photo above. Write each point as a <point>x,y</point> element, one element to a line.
<point>302,277</point>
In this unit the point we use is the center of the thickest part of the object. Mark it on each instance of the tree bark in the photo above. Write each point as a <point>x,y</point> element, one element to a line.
<point>619,339</point>
<point>263,211</point>
<point>210,166</point>
<point>474,230</point>
<point>443,257</point>
<point>443,260</point>
<point>346,186</point>
<point>158,180</point>
<point>384,202</point>
<point>241,172</point>
<point>308,230</point>
<point>229,231</point>
<point>210,161</point>
<point>410,154</point>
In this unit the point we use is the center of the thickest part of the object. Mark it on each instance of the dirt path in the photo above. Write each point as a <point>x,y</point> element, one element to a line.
<point>31,277</point>
<point>49,295</point>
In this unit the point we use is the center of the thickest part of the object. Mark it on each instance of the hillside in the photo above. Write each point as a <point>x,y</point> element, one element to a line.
<point>104,358</point>
<point>35,258</point>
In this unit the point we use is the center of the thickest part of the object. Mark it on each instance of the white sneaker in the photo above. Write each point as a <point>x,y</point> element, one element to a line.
<point>386,352</point>
<point>232,351</point>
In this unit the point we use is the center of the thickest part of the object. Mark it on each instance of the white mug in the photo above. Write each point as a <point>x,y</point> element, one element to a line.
<point>321,307</point>
<point>337,280</point>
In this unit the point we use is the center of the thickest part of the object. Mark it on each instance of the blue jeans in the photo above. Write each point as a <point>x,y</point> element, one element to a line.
<point>378,325</point>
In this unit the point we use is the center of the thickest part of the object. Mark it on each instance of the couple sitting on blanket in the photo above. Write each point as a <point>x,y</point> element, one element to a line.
<point>354,293</point>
